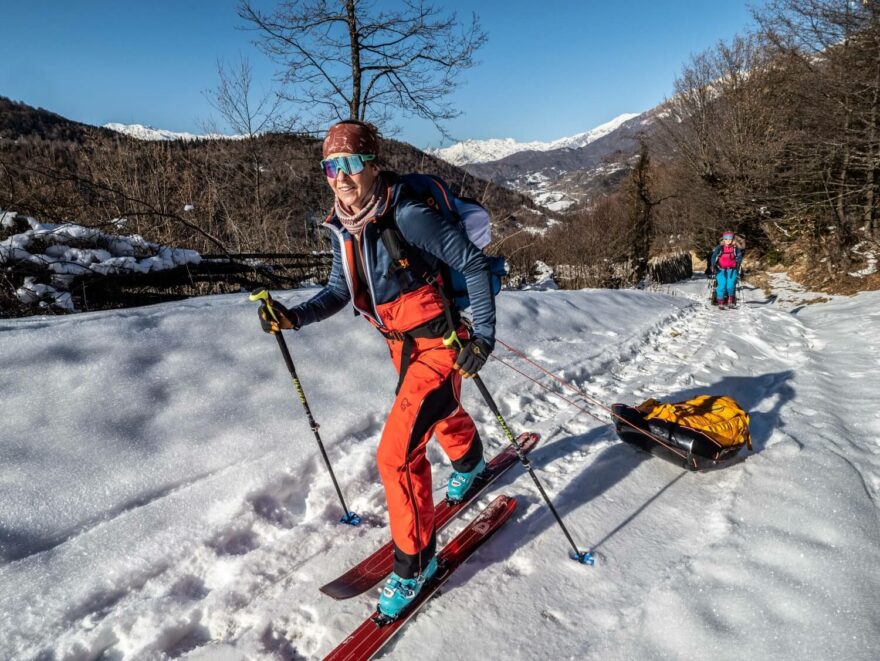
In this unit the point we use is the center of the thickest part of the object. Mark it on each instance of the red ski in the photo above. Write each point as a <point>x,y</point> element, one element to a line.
<point>373,569</point>
<point>371,637</point>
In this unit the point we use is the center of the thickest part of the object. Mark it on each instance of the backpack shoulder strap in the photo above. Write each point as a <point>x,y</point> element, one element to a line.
<point>403,256</point>
<point>433,191</point>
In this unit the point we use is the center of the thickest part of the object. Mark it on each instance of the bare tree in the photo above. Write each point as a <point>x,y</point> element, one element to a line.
<point>640,206</point>
<point>350,60</point>
<point>248,116</point>
<point>641,198</point>
<point>724,126</point>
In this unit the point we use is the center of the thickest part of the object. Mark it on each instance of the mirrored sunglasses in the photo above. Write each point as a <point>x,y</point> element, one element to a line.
<point>353,164</point>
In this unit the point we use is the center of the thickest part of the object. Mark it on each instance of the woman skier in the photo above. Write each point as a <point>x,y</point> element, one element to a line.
<point>410,314</point>
<point>726,260</point>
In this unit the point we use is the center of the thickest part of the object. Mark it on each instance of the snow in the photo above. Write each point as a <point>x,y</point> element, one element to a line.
<point>553,200</point>
<point>791,295</point>
<point>163,495</point>
<point>142,132</point>
<point>870,258</point>
<point>7,218</point>
<point>485,151</point>
<point>104,254</point>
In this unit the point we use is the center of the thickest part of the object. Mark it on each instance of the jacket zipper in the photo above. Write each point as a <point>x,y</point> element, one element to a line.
<point>349,279</point>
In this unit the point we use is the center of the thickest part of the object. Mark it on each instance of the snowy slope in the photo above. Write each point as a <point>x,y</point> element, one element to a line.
<point>484,151</point>
<point>164,497</point>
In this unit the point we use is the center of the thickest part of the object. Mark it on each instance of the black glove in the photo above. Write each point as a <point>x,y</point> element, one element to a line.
<point>287,319</point>
<point>472,357</point>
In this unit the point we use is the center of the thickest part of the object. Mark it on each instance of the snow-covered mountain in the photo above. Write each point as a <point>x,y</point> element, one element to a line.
<point>142,132</point>
<point>484,151</point>
<point>569,173</point>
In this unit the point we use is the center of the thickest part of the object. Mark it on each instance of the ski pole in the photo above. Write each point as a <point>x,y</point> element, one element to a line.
<point>265,299</point>
<point>452,340</point>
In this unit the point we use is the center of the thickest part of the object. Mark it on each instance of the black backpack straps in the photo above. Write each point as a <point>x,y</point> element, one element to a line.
<point>406,258</point>
<point>403,256</point>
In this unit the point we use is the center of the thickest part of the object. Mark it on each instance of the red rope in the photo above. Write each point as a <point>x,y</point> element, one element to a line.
<point>552,392</point>
<point>580,394</point>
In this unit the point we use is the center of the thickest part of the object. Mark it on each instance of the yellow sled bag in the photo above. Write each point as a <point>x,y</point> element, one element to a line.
<point>704,430</point>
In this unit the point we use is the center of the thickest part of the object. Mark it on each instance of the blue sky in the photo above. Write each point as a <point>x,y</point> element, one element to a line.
<point>550,69</point>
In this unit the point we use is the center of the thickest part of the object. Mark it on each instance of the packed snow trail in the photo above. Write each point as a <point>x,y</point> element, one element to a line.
<point>163,496</point>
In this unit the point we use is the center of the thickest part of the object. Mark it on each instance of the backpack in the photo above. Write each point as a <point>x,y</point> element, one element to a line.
<point>468,214</point>
<point>727,257</point>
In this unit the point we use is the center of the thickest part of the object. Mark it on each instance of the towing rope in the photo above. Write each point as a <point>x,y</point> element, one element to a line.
<point>580,394</point>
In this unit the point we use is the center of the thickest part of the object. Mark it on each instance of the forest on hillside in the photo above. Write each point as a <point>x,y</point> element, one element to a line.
<point>775,135</point>
<point>256,202</point>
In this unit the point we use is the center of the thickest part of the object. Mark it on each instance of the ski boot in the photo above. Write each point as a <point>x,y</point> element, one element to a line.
<point>399,593</point>
<point>460,483</point>
<point>731,301</point>
<point>722,303</point>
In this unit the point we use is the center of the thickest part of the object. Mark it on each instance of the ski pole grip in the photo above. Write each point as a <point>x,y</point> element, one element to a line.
<point>262,294</point>
<point>452,340</point>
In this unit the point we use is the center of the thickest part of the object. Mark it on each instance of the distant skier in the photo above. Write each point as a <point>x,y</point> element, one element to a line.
<point>725,262</point>
<point>409,312</point>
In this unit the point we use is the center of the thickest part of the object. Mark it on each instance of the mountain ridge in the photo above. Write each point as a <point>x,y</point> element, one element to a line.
<point>143,132</point>
<point>564,177</point>
<point>468,152</point>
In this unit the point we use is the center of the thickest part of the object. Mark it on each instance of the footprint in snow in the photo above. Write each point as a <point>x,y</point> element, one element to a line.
<point>235,542</point>
<point>731,353</point>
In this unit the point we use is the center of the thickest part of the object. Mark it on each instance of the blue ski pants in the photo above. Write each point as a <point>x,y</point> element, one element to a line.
<point>725,283</point>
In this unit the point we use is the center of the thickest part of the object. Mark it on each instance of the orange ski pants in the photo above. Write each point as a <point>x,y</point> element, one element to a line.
<point>427,404</point>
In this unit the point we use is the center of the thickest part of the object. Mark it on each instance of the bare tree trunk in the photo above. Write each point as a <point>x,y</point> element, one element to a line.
<point>355,108</point>
<point>257,170</point>
<point>641,210</point>
<point>843,179</point>
<point>870,218</point>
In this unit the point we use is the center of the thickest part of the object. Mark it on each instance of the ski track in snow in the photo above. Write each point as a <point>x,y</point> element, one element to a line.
<point>692,552</point>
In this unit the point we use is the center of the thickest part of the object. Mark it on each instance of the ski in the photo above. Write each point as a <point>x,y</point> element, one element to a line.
<point>370,637</point>
<point>377,566</point>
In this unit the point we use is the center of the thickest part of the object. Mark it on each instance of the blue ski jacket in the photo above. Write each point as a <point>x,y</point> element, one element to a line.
<point>399,301</point>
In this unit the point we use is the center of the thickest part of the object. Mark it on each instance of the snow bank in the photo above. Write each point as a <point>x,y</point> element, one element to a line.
<point>73,250</point>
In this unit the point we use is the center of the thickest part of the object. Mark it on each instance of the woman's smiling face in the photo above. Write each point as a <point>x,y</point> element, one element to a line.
<point>353,190</point>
